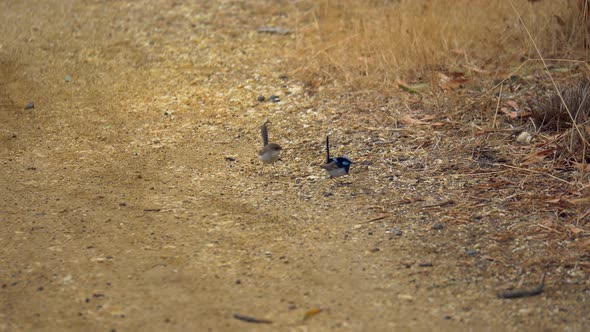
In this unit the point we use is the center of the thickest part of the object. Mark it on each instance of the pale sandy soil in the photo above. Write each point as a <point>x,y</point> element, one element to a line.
<point>133,199</point>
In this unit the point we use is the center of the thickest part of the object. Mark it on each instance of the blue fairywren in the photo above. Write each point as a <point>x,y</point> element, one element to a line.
<point>270,151</point>
<point>336,166</point>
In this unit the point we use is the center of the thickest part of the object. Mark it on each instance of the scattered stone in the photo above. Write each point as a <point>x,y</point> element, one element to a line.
<point>284,77</point>
<point>274,30</point>
<point>68,78</point>
<point>261,98</point>
<point>425,264</point>
<point>437,226</point>
<point>471,252</point>
<point>524,138</point>
<point>30,105</point>
<point>395,231</point>
<point>229,158</point>
<point>274,98</point>
<point>406,297</point>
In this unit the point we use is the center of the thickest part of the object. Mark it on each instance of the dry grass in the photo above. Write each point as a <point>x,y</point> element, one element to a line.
<point>371,44</point>
<point>570,116</point>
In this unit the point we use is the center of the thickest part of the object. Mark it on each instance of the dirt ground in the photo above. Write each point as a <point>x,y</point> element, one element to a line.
<point>133,199</point>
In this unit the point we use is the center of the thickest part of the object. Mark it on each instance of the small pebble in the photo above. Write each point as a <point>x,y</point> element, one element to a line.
<point>395,231</point>
<point>30,105</point>
<point>68,78</point>
<point>437,226</point>
<point>274,30</point>
<point>274,98</point>
<point>261,98</point>
<point>471,252</point>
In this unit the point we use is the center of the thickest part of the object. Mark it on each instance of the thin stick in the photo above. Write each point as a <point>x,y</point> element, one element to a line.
<point>497,106</point>
<point>549,228</point>
<point>383,216</point>
<point>535,171</point>
<point>524,292</point>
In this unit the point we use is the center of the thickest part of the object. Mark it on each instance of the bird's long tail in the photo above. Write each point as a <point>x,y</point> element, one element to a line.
<point>327,149</point>
<point>264,133</point>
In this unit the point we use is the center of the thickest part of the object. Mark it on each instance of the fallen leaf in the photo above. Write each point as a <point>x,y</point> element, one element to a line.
<point>459,51</point>
<point>409,120</point>
<point>408,88</point>
<point>453,84</point>
<point>584,245</point>
<point>536,157</point>
<point>575,230</point>
<point>515,114</point>
<point>511,114</point>
<point>579,201</point>
<point>475,69</point>
<point>514,105</point>
<point>311,312</point>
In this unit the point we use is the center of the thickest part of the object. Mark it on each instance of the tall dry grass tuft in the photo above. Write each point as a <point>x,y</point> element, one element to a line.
<point>371,44</point>
<point>570,117</point>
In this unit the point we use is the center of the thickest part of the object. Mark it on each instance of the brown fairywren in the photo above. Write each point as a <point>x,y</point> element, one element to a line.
<point>270,151</point>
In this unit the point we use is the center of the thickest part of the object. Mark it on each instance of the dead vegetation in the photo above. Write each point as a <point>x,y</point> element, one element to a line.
<point>499,57</point>
<point>149,210</point>
<point>497,85</point>
<point>363,46</point>
<point>567,112</point>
